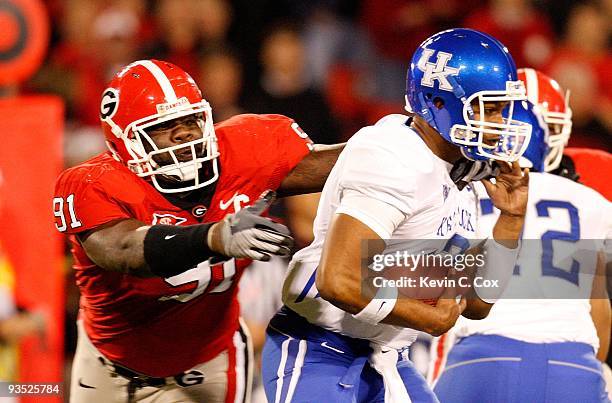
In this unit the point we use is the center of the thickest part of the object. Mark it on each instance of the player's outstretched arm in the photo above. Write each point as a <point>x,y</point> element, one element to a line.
<point>339,281</point>
<point>118,246</point>
<point>310,174</point>
<point>129,246</point>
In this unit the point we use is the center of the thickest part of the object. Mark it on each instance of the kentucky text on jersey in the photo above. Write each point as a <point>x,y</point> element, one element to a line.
<point>460,217</point>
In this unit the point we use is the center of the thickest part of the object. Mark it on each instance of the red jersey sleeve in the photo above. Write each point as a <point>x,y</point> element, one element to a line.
<point>263,148</point>
<point>288,145</point>
<point>82,202</point>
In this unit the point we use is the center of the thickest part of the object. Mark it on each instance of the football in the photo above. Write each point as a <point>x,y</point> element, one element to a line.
<point>426,280</point>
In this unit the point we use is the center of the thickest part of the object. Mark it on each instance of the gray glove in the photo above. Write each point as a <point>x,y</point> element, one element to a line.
<point>465,171</point>
<point>246,234</point>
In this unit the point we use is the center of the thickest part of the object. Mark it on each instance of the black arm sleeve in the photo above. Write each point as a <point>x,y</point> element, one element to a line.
<point>170,250</point>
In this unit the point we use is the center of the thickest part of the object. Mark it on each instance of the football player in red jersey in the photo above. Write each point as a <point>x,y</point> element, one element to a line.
<point>160,237</point>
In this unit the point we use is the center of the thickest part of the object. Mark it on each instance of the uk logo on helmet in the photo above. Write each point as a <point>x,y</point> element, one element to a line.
<point>436,71</point>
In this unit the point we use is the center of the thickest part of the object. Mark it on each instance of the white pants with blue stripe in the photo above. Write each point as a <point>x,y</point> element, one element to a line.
<point>305,363</point>
<point>497,369</point>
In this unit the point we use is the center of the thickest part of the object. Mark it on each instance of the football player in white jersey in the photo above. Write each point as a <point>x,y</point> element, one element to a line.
<point>333,343</point>
<point>540,340</point>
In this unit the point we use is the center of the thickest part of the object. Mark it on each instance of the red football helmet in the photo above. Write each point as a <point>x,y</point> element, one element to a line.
<point>554,105</point>
<point>147,93</point>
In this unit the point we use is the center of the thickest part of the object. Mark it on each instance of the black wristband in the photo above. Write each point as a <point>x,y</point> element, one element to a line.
<point>170,250</point>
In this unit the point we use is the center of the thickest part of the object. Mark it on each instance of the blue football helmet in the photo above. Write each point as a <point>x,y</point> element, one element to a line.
<point>453,71</point>
<point>534,156</point>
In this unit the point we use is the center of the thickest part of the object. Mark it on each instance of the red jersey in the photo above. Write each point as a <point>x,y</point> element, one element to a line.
<point>157,326</point>
<point>590,163</point>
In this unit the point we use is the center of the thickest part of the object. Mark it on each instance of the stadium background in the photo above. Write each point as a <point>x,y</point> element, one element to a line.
<point>332,65</point>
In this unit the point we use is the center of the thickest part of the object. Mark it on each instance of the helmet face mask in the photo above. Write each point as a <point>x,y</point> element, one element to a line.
<point>502,139</point>
<point>451,73</point>
<point>560,126</point>
<point>169,162</point>
<point>148,94</point>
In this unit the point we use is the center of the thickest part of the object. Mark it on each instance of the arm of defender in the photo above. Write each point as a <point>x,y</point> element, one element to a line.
<point>339,280</point>
<point>118,246</point>
<point>310,174</point>
<point>129,246</point>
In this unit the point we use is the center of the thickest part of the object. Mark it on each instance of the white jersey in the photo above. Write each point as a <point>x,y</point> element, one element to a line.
<point>388,163</point>
<point>554,268</point>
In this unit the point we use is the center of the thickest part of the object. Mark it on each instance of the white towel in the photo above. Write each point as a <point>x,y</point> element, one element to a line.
<point>384,361</point>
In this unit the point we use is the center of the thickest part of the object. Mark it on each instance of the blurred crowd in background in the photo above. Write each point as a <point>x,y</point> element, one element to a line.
<point>332,65</point>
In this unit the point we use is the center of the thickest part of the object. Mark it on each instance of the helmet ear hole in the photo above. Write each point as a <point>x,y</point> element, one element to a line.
<point>438,102</point>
